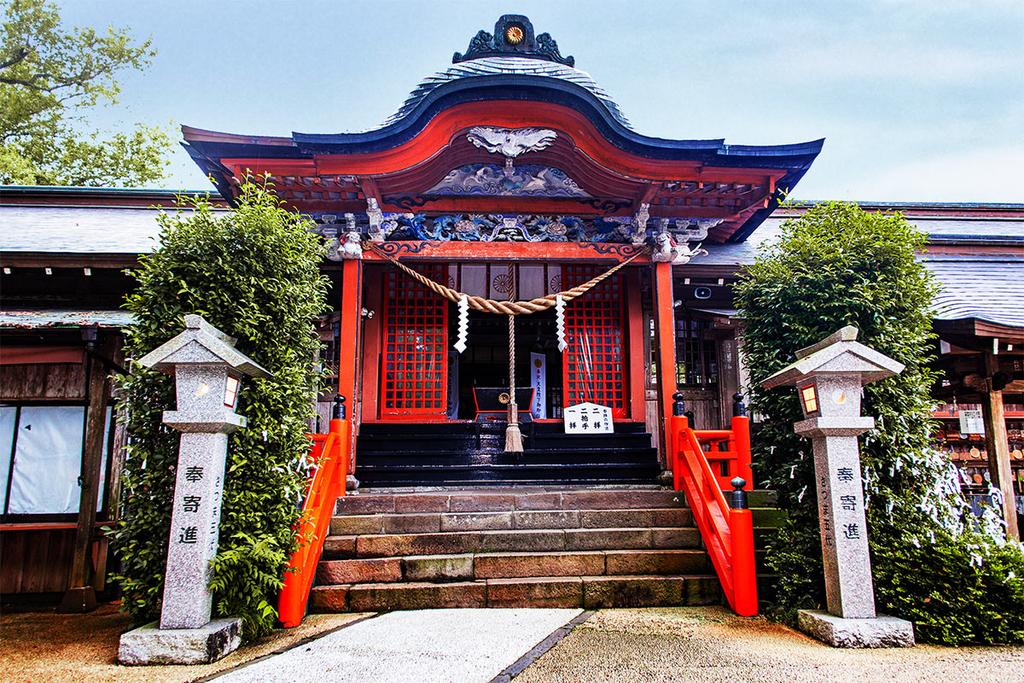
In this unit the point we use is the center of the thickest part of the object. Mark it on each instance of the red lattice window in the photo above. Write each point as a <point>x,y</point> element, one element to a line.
<point>594,365</point>
<point>414,376</point>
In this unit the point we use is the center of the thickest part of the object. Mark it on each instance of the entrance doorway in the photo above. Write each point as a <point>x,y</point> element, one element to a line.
<point>485,362</point>
<point>423,378</point>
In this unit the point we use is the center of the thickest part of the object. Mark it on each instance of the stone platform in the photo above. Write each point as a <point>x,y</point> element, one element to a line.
<point>150,644</point>
<point>877,632</point>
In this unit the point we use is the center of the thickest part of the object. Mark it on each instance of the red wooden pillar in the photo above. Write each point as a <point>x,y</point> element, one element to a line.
<point>636,346</point>
<point>665,351</point>
<point>369,379</point>
<point>349,342</point>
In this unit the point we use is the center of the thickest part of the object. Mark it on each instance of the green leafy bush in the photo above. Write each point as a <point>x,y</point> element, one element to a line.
<point>838,265</point>
<point>254,273</point>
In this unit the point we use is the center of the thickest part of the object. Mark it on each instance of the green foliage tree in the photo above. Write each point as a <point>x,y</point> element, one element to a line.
<point>933,562</point>
<point>254,273</point>
<point>49,79</point>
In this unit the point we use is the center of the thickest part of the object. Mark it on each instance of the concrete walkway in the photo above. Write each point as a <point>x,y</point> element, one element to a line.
<point>430,646</point>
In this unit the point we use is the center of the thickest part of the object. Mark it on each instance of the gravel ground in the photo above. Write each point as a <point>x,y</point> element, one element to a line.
<point>80,648</point>
<point>620,646</point>
<point>710,644</point>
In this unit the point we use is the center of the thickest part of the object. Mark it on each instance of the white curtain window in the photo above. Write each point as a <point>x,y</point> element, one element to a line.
<point>101,489</point>
<point>47,460</point>
<point>8,415</point>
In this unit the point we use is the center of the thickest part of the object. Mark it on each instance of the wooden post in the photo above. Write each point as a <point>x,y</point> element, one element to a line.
<point>665,351</point>
<point>998,447</point>
<point>80,595</point>
<point>372,331</point>
<point>636,346</point>
<point>348,362</point>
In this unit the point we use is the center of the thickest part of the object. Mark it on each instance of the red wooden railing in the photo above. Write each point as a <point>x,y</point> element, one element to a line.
<point>726,527</point>
<point>328,457</point>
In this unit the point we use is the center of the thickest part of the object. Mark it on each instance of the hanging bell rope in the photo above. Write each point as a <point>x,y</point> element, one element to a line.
<point>513,437</point>
<point>479,303</point>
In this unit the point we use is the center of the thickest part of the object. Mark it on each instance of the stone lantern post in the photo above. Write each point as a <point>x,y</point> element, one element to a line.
<point>829,377</point>
<point>208,371</point>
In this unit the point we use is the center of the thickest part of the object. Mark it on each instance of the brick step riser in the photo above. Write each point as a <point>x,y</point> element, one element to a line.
<point>398,545</point>
<point>448,568</point>
<point>397,523</point>
<point>504,501</point>
<point>586,592</point>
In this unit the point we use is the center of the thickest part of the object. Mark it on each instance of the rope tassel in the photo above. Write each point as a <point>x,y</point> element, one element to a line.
<point>513,437</point>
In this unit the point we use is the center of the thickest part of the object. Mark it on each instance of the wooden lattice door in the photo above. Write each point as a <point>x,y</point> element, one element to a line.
<point>414,376</point>
<point>594,365</point>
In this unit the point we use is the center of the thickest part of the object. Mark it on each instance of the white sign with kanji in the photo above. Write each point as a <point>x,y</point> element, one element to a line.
<point>971,422</point>
<point>588,418</point>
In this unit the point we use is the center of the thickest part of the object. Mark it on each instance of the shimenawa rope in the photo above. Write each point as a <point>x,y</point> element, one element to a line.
<point>486,305</point>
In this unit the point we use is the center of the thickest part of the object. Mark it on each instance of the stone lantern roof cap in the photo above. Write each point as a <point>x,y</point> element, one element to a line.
<point>838,354</point>
<point>201,344</point>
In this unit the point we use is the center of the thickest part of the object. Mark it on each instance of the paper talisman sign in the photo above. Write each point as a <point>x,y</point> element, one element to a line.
<point>539,382</point>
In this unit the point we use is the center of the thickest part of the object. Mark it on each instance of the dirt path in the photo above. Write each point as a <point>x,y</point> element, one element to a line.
<point>710,644</point>
<point>46,647</point>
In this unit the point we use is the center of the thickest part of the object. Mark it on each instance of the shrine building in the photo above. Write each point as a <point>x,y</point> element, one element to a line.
<point>506,237</point>
<point>512,175</point>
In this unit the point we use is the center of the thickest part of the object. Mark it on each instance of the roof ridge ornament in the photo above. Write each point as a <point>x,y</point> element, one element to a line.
<point>513,37</point>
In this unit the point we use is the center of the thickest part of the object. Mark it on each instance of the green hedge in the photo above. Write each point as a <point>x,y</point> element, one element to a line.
<point>254,273</point>
<point>933,562</point>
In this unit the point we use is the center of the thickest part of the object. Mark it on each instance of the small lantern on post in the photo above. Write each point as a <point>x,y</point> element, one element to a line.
<point>829,377</point>
<point>208,372</point>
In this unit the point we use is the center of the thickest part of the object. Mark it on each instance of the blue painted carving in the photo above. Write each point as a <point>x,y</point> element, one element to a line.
<point>612,230</point>
<point>491,180</point>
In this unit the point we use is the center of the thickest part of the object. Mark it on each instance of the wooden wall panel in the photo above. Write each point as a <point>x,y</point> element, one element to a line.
<point>35,560</point>
<point>42,382</point>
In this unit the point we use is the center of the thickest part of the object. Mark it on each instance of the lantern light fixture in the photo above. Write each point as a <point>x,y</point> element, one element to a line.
<point>231,387</point>
<point>809,399</point>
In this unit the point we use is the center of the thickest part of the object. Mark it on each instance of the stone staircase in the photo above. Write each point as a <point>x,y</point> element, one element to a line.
<point>393,549</point>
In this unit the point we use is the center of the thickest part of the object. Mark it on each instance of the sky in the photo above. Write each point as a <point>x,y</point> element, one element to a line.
<point>919,100</point>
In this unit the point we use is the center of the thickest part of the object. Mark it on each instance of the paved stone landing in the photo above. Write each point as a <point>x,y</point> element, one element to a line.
<point>430,646</point>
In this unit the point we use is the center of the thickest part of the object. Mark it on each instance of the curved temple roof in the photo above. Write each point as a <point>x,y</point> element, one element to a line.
<point>514,67</point>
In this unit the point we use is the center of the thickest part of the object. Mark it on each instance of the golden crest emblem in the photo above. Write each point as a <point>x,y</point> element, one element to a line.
<point>514,34</point>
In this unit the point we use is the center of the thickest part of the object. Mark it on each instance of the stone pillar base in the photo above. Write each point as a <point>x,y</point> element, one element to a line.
<point>882,631</point>
<point>150,644</point>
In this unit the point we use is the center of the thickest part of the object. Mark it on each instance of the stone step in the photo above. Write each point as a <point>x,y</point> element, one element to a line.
<point>425,522</point>
<point>540,540</point>
<point>513,565</point>
<point>506,499</point>
<point>590,592</point>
